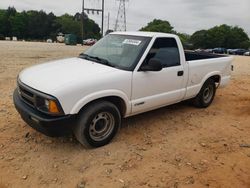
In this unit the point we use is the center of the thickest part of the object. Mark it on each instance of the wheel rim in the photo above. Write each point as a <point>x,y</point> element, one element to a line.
<point>208,94</point>
<point>101,126</point>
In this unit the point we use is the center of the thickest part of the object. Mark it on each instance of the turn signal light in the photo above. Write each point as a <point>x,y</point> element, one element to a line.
<point>53,107</point>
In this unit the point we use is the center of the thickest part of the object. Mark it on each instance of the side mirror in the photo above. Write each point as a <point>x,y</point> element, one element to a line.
<point>153,65</point>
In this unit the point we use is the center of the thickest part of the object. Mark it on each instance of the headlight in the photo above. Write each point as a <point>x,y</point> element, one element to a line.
<point>52,106</point>
<point>48,106</point>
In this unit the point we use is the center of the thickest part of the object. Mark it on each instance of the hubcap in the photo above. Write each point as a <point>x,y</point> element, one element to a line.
<point>102,126</point>
<point>208,94</point>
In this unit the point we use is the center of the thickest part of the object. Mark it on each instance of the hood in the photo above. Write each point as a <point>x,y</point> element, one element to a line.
<point>51,76</point>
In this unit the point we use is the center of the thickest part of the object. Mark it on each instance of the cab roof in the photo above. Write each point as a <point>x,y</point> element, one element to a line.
<point>144,34</point>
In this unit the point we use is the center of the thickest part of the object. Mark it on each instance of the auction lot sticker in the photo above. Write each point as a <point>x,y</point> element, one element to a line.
<point>132,42</point>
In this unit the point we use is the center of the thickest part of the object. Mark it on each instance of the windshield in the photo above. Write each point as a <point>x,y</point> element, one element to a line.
<point>120,51</point>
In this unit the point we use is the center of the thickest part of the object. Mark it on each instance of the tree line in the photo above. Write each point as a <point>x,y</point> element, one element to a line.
<point>38,25</point>
<point>223,36</point>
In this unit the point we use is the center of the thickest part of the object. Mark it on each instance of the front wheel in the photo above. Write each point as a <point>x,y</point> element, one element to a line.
<point>206,94</point>
<point>98,123</point>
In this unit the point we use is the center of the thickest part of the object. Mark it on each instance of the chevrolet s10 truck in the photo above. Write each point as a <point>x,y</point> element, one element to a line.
<point>124,74</point>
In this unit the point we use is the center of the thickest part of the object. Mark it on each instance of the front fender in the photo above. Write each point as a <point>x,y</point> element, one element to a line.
<point>98,95</point>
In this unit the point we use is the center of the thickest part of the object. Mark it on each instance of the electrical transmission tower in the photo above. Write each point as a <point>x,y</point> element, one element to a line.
<point>121,22</point>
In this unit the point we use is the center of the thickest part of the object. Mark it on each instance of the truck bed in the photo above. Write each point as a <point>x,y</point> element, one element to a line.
<point>193,56</point>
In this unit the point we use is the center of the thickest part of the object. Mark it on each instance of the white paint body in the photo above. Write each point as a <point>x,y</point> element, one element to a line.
<point>75,82</point>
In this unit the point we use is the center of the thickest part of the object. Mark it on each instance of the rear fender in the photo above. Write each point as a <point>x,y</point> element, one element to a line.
<point>193,90</point>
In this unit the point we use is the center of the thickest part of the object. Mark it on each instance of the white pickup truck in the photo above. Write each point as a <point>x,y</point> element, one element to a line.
<point>124,74</point>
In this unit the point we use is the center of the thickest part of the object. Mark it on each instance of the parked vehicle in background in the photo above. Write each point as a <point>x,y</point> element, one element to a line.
<point>208,50</point>
<point>219,50</point>
<point>89,42</point>
<point>70,39</point>
<point>230,51</point>
<point>60,38</point>
<point>124,74</point>
<point>199,50</point>
<point>239,52</point>
<point>204,50</point>
<point>14,38</point>
<point>233,52</point>
<point>247,53</point>
<point>49,41</point>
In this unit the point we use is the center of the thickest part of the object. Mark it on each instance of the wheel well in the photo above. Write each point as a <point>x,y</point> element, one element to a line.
<point>117,101</point>
<point>216,78</point>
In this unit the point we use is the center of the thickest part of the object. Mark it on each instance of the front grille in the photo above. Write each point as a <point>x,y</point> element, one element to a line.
<point>27,95</point>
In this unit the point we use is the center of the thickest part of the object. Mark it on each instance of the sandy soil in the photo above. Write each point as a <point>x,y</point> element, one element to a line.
<point>177,146</point>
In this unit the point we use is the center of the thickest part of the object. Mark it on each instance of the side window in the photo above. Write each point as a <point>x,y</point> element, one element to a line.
<point>166,50</point>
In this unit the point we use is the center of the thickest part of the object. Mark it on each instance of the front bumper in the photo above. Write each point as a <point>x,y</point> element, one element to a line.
<point>49,125</point>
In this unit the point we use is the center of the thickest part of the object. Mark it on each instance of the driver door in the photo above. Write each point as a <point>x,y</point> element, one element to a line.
<point>152,90</point>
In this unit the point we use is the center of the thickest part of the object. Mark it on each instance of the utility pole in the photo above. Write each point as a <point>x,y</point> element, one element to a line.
<point>82,20</point>
<point>108,21</point>
<point>121,22</point>
<point>102,17</point>
<point>93,11</point>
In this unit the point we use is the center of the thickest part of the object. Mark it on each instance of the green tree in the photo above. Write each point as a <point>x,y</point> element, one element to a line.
<point>165,27</point>
<point>3,22</point>
<point>18,25</point>
<point>38,25</point>
<point>73,25</point>
<point>68,25</point>
<point>199,39</point>
<point>185,38</point>
<point>92,30</point>
<point>221,36</point>
<point>159,26</point>
<point>11,12</point>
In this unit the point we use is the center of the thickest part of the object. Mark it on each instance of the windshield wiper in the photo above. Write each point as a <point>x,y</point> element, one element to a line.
<point>97,59</point>
<point>84,56</point>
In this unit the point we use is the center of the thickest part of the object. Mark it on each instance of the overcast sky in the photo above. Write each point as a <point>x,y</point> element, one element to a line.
<point>185,15</point>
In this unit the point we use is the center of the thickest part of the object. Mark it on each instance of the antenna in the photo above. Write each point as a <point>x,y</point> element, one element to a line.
<point>121,22</point>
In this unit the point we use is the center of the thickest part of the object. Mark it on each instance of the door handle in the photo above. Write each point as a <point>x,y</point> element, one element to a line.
<point>180,73</point>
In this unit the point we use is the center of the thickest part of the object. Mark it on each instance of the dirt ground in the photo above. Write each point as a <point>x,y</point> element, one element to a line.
<point>176,146</point>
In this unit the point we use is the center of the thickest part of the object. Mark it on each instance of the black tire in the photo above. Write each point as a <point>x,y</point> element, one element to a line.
<point>206,95</point>
<point>97,124</point>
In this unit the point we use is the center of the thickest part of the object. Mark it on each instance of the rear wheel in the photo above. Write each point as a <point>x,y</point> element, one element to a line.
<point>206,94</point>
<point>98,123</point>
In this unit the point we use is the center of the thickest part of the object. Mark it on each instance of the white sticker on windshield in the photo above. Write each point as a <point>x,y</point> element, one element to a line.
<point>132,42</point>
